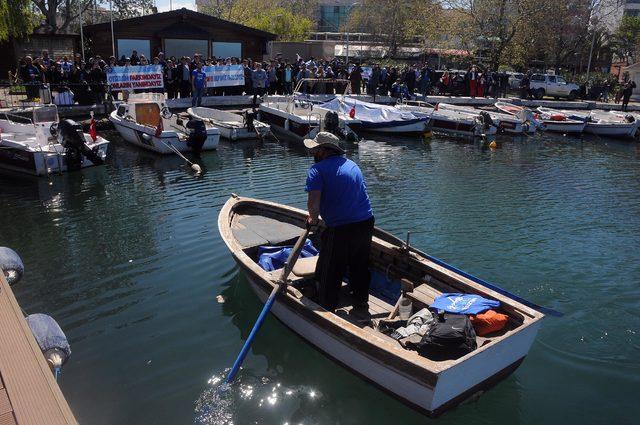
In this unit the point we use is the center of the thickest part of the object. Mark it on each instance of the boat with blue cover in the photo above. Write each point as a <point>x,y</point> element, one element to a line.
<point>353,337</point>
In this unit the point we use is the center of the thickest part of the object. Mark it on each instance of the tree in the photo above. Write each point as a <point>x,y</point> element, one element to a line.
<point>284,23</point>
<point>61,15</point>
<point>16,20</point>
<point>626,40</point>
<point>289,19</point>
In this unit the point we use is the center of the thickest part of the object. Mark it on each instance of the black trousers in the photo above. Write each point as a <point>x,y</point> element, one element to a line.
<point>344,249</point>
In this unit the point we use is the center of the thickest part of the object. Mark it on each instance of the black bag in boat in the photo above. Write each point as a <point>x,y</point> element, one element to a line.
<point>451,336</point>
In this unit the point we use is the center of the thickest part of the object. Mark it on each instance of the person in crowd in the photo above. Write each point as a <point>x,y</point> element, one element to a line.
<point>336,190</point>
<point>320,87</point>
<point>473,78</point>
<point>135,59</point>
<point>424,82</point>
<point>272,78</point>
<point>374,80</point>
<point>46,60</point>
<point>355,76</point>
<point>480,87</point>
<point>626,94</point>
<point>288,79</point>
<point>525,91</point>
<point>410,79</point>
<point>143,60</point>
<point>97,80</point>
<point>259,79</point>
<point>302,74</point>
<point>399,90</point>
<point>198,84</point>
<point>329,75</point>
<point>184,77</point>
<point>248,83</point>
<point>31,77</point>
<point>171,79</point>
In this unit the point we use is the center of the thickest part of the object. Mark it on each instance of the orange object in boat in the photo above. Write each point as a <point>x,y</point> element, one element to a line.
<point>558,117</point>
<point>488,322</point>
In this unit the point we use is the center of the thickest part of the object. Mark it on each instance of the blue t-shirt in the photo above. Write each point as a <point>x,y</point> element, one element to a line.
<point>464,303</point>
<point>199,78</point>
<point>344,196</point>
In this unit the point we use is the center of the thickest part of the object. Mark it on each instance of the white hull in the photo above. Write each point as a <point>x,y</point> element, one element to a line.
<point>232,126</point>
<point>412,128</point>
<point>144,137</point>
<point>623,130</point>
<point>505,123</point>
<point>564,126</point>
<point>451,384</point>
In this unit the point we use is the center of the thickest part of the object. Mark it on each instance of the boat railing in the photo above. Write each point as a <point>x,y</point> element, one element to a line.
<point>16,119</point>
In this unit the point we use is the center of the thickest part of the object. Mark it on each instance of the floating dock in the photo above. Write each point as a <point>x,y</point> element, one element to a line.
<point>29,394</point>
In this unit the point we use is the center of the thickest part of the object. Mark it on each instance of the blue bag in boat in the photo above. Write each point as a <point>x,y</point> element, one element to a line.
<point>272,258</point>
<point>463,303</point>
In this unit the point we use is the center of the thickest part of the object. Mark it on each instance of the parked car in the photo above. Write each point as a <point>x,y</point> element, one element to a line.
<point>552,85</point>
<point>515,78</point>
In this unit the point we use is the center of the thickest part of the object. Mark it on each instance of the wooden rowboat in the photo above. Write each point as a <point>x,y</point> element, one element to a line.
<point>350,338</point>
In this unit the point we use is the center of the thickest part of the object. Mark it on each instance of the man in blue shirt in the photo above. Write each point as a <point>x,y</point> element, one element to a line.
<point>199,82</point>
<point>337,192</point>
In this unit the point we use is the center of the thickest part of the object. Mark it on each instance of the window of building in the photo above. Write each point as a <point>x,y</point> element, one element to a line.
<point>222,49</point>
<point>127,46</point>
<point>332,18</point>
<point>182,47</point>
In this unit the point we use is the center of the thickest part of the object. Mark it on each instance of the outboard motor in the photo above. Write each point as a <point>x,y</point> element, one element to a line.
<point>11,265</point>
<point>332,125</point>
<point>51,340</point>
<point>71,137</point>
<point>197,134</point>
<point>486,120</point>
<point>249,118</point>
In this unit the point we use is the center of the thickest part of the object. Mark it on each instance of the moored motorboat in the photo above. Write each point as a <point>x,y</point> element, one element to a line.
<point>600,123</point>
<point>505,123</point>
<point>552,122</point>
<point>351,337</point>
<point>45,144</point>
<point>452,123</point>
<point>375,118</point>
<point>232,126</point>
<point>145,121</point>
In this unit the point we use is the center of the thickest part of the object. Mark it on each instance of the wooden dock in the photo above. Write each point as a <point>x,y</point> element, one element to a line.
<point>29,394</point>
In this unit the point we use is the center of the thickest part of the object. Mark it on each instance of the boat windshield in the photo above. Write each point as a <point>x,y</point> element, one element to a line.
<point>44,114</point>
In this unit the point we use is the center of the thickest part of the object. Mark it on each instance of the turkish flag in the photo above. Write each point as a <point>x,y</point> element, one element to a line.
<point>159,128</point>
<point>352,112</point>
<point>92,130</point>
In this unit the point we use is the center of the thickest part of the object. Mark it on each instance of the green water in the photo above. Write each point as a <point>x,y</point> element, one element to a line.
<point>128,259</point>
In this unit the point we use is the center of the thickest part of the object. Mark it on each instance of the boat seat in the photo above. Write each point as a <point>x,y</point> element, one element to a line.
<point>257,230</point>
<point>305,267</point>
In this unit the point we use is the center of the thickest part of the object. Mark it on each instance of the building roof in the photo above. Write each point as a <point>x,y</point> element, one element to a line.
<point>187,15</point>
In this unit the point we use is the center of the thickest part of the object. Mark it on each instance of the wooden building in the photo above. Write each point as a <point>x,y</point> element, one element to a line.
<point>177,33</point>
<point>58,45</point>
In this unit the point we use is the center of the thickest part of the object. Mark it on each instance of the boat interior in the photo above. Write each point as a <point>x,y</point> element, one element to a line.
<point>395,271</point>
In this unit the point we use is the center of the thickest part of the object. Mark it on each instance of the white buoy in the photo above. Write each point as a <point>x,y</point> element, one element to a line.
<point>196,168</point>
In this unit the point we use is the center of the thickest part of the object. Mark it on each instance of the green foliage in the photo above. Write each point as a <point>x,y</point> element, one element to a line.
<point>284,23</point>
<point>627,38</point>
<point>16,19</point>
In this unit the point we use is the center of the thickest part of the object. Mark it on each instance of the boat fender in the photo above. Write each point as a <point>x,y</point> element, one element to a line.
<point>629,118</point>
<point>51,340</point>
<point>197,134</point>
<point>71,136</point>
<point>11,265</point>
<point>166,113</point>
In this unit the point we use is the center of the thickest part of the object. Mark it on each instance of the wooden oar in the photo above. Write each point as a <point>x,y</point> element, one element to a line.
<point>282,283</point>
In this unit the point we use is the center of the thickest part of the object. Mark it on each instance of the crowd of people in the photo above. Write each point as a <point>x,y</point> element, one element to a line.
<point>74,80</point>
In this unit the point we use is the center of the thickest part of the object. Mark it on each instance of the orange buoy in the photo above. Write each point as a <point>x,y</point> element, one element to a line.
<point>493,145</point>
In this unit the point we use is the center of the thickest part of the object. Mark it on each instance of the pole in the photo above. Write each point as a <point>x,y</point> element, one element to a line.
<point>347,48</point>
<point>81,32</point>
<point>113,40</point>
<point>593,42</point>
<point>170,4</point>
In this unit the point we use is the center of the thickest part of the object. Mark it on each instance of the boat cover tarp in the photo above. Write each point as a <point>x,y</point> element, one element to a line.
<point>272,258</point>
<point>369,112</point>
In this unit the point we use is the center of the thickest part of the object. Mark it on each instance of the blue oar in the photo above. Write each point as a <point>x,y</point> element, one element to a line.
<point>486,284</point>
<point>282,282</point>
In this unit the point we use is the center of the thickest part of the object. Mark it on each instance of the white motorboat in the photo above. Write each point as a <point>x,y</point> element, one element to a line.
<point>452,123</point>
<point>377,118</point>
<point>146,121</point>
<point>552,122</point>
<point>45,144</point>
<point>519,124</point>
<point>600,123</point>
<point>297,118</point>
<point>232,126</point>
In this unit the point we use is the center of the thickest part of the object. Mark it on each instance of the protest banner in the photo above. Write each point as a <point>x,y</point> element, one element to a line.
<point>135,77</point>
<point>224,76</point>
